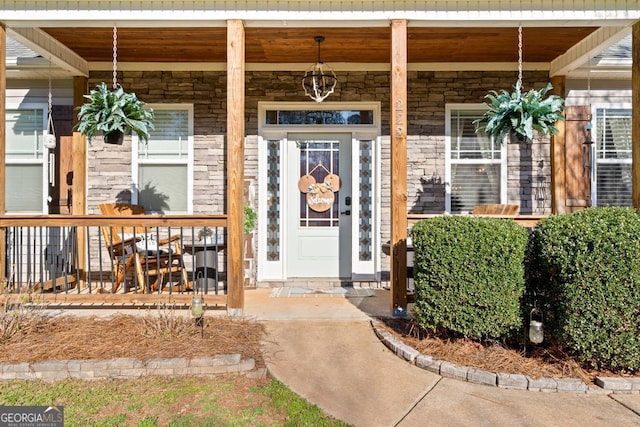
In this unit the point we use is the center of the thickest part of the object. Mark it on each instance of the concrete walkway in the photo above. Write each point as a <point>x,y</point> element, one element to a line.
<point>324,349</point>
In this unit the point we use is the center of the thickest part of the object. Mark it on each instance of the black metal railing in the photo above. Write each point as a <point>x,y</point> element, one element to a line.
<point>125,255</point>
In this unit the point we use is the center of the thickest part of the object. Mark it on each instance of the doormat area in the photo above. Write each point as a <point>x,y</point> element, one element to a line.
<point>287,292</point>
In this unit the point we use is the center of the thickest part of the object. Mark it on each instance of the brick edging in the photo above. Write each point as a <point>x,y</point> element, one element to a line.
<point>603,385</point>
<point>129,368</point>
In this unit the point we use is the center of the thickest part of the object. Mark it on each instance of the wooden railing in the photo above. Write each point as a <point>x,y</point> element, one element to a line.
<point>68,260</point>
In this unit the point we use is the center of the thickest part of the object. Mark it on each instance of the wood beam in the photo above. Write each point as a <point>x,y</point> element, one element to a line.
<point>635,108</point>
<point>235,165</point>
<point>51,49</point>
<point>399,167</point>
<point>558,161</point>
<point>588,48</point>
<point>3,115</point>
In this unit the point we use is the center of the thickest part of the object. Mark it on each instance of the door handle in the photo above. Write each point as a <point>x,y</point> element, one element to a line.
<point>347,212</point>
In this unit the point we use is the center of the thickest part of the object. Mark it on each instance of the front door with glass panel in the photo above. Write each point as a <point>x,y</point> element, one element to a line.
<point>319,203</point>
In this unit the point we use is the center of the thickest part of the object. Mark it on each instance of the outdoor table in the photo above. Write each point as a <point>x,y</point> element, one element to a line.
<point>206,264</point>
<point>386,249</point>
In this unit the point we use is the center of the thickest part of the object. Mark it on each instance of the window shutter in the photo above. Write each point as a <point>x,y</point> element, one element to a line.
<point>577,181</point>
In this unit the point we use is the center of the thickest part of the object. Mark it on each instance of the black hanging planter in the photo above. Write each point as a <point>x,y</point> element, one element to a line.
<point>116,137</point>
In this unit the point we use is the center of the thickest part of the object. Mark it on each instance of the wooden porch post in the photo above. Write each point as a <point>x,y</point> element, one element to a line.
<point>79,197</point>
<point>398,139</point>
<point>3,115</point>
<point>235,166</point>
<point>635,111</point>
<point>558,161</point>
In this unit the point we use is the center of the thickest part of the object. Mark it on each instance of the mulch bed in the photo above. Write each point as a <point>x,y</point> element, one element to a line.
<point>142,337</point>
<point>548,360</point>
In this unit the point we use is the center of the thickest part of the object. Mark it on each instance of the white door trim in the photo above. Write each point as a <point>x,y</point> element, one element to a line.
<point>276,269</point>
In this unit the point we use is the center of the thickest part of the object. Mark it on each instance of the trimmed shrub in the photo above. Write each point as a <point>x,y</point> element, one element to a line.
<point>587,265</point>
<point>469,275</point>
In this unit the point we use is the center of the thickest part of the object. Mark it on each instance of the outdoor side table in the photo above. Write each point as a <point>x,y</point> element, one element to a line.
<point>205,264</point>
<point>386,249</point>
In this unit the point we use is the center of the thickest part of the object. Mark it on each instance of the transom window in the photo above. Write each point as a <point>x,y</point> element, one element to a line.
<point>475,163</point>
<point>163,165</point>
<point>319,117</point>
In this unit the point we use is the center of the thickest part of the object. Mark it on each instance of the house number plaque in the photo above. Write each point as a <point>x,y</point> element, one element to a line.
<point>320,196</point>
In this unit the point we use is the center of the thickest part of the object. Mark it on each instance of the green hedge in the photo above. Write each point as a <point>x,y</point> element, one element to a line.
<point>469,275</point>
<point>587,266</point>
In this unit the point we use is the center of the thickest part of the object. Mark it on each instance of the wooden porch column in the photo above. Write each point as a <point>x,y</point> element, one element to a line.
<point>235,166</point>
<point>558,161</point>
<point>3,115</point>
<point>635,120</point>
<point>79,197</point>
<point>398,139</point>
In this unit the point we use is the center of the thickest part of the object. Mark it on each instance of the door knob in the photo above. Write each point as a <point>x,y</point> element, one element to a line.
<point>347,212</point>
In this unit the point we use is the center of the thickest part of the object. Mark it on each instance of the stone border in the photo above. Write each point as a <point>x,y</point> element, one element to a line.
<point>130,368</point>
<point>603,385</point>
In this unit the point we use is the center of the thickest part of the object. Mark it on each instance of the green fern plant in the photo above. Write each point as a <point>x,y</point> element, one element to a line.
<point>108,111</point>
<point>250,219</point>
<point>520,114</point>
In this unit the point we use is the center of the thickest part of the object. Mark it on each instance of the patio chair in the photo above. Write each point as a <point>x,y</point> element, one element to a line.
<point>137,255</point>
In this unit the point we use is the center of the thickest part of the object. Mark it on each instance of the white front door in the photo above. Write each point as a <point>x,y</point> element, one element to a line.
<point>318,215</point>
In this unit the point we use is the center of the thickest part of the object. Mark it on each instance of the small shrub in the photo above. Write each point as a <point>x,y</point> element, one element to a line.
<point>587,265</point>
<point>166,322</point>
<point>469,275</point>
<point>19,318</point>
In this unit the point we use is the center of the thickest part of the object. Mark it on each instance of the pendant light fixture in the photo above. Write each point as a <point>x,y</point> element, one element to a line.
<point>319,81</point>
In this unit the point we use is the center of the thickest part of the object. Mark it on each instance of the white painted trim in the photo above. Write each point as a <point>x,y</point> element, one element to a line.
<point>275,270</point>
<point>594,133</point>
<point>290,12</point>
<point>57,53</point>
<point>447,155</point>
<point>44,160</point>
<point>587,48</point>
<point>189,161</point>
<point>336,66</point>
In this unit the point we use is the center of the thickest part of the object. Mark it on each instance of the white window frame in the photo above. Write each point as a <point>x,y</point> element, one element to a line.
<point>135,161</point>
<point>594,133</point>
<point>449,109</point>
<point>44,160</point>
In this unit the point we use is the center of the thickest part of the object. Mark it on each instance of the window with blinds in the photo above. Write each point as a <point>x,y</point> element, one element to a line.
<point>476,163</point>
<point>26,189</point>
<point>164,162</point>
<point>613,157</point>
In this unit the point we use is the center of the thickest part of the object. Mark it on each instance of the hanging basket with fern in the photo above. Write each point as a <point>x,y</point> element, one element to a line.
<point>516,115</point>
<point>114,113</point>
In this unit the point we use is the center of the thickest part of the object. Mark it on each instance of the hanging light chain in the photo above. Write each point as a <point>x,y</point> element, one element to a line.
<point>519,83</point>
<point>115,57</point>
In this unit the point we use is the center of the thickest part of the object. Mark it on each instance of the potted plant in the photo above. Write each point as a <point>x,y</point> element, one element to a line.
<point>516,115</point>
<point>250,218</point>
<point>113,113</point>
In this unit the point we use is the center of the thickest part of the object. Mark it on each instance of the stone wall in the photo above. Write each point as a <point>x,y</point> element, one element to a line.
<point>529,182</point>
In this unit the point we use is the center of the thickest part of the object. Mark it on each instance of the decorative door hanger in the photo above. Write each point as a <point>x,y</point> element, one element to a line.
<point>320,196</point>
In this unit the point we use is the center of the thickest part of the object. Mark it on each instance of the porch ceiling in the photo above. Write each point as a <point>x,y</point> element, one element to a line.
<point>296,45</point>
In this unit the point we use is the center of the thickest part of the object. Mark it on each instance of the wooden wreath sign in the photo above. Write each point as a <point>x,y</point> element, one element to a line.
<point>320,196</point>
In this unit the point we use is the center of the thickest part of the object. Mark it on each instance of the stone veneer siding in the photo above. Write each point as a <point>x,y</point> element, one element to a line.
<point>529,172</point>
